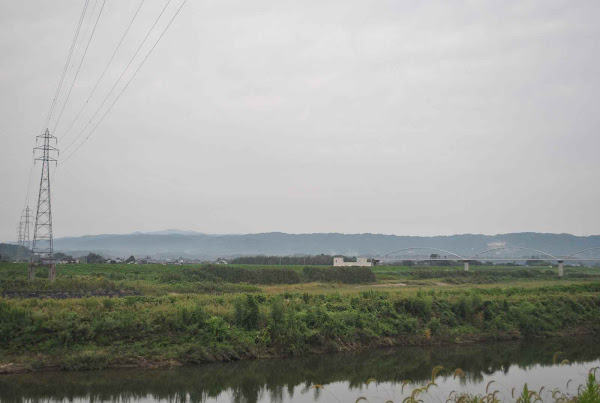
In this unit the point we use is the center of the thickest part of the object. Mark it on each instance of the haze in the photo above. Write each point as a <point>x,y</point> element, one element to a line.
<point>414,118</point>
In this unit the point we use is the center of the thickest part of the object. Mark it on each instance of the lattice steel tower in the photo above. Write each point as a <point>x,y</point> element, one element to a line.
<point>20,240</point>
<point>25,225</point>
<point>23,233</point>
<point>42,251</point>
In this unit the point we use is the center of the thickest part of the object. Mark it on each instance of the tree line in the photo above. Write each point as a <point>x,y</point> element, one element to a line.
<point>315,260</point>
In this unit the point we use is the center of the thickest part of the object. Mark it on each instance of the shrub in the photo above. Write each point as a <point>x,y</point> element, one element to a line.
<point>247,312</point>
<point>434,325</point>
<point>415,306</point>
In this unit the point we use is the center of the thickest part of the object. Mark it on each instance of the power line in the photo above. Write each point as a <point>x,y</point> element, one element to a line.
<point>80,48</point>
<point>105,69</point>
<point>79,67</point>
<point>62,77</point>
<point>119,79</point>
<point>124,88</point>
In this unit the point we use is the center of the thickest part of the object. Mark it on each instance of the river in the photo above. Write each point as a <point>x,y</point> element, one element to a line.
<point>343,376</point>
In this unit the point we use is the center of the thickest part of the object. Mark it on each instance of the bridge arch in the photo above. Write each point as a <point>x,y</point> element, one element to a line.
<point>515,247</point>
<point>421,248</point>
<point>581,251</point>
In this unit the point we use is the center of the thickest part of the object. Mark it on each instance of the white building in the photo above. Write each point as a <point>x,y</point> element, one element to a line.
<point>360,261</point>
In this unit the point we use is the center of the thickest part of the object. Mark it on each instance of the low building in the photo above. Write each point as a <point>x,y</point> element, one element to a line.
<point>360,262</point>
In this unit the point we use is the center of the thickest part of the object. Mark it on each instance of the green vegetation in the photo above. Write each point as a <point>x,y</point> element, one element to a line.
<point>325,260</point>
<point>346,275</point>
<point>479,274</point>
<point>185,314</point>
<point>9,253</point>
<point>94,258</point>
<point>107,279</point>
<point>587,393</point>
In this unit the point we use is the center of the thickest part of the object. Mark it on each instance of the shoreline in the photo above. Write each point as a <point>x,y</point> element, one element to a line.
<point>157,364</point>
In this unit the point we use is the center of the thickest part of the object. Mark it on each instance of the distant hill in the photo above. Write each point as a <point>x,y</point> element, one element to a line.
<point>175,243</point>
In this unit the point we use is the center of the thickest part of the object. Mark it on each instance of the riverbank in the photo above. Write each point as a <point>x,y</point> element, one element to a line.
<point>345,375</point>
<point>174,330</point>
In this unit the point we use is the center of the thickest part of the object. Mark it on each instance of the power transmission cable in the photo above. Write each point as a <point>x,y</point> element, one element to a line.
<point>118,79</point>
<point>57,93</point>
<point>126,85</point>
<point>87,25</point>
<point>105,70</point>
<point>79,46</point>
<point>79,67</point>
<point>62,77</point>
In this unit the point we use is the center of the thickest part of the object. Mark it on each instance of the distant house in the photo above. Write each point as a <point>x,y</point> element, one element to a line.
<point>360,262</point>
<point>221,261</point>
<point>66,261</point>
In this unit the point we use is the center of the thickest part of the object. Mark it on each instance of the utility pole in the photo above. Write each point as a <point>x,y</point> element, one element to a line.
<point>42,252</point>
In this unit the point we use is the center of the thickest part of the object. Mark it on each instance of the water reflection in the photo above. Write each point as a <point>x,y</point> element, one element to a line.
<point>279,380</point>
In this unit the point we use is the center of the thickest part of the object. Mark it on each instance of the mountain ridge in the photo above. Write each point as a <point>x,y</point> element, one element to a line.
<point>191,244</point>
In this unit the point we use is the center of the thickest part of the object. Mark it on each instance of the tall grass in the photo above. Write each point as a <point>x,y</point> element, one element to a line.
<point>193,327</point>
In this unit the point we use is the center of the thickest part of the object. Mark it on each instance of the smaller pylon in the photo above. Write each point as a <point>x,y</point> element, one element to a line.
<point>42,250</point>
<point>20,240</point>
<point>23,234</point>
<point>26,226</point>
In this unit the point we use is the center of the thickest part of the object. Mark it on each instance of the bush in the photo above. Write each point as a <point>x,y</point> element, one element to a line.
<point>419,306</point>
<point>247,312</point>
<point>434,325</point>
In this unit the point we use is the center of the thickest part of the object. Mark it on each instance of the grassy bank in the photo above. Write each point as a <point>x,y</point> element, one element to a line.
<point>98,316</point>
<point>178,315</point>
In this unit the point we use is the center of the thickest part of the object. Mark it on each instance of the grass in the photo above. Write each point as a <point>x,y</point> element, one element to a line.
<point>172,315</point>
<point>589,392</point>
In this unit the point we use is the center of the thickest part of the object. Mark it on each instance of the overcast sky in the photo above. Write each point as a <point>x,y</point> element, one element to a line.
<point>398,117</point>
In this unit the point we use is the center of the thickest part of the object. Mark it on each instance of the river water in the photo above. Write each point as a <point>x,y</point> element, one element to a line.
<point>343,376</point>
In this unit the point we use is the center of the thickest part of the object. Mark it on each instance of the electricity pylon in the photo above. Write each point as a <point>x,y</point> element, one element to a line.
<point>20,240</point>
<point>42,251</point>
<point>23,233</point>
<point>26,226</point>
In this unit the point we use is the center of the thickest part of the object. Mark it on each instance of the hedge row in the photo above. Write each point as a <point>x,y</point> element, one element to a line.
<point>216,273</point>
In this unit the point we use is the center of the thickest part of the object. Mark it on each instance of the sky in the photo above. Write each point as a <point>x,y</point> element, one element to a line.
<point>353,116</point>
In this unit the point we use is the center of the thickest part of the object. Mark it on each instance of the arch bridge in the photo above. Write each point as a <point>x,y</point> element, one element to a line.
<point>560,260</point>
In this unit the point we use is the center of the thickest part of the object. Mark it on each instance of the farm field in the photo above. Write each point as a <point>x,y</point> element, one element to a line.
<point>100,316</point>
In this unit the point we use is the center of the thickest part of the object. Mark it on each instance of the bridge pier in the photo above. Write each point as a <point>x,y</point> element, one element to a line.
<point>466,262</point>
<point>561,269</point>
